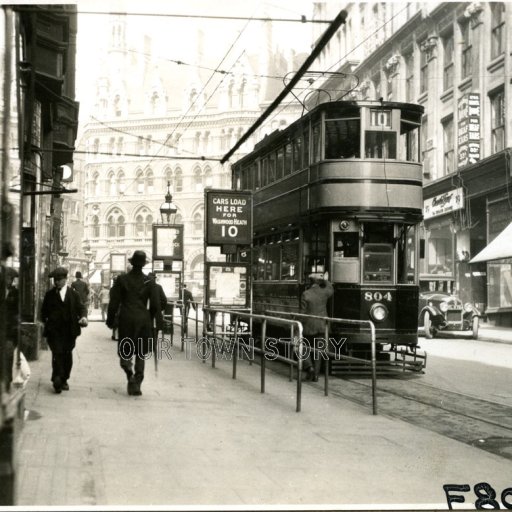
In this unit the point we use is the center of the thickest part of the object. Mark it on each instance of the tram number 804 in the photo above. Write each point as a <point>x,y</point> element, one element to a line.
<point>232,231</point>
<point>378,296</point>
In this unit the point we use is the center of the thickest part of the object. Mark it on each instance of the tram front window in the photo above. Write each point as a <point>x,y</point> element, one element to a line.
<point>380,144</point>
<point>378,263</point>
<point>342,138</point>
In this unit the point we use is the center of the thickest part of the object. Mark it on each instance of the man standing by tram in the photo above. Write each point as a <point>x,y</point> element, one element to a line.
<point>314,302</point>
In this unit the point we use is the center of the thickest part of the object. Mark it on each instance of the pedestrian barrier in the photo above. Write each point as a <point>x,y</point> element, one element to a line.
<point>345,321</point>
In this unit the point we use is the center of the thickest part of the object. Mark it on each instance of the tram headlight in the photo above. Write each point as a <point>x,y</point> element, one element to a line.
<point>468,307</point>
<point>443,307</point>
<point>379,312</point>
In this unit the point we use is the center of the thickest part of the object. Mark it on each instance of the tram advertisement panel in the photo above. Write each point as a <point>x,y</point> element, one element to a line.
<point>226,284</point>
<point>228,217</point>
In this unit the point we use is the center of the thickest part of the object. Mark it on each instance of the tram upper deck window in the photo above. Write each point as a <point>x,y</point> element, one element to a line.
<point>410,136</point>
<point>342,138</point>
<point>316,147</point>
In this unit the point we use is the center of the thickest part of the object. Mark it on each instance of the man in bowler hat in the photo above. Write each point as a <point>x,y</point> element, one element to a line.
<point>135,296</point>
<point>63,314</point>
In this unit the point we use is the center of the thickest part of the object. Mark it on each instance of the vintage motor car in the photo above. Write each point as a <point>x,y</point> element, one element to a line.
<point>441,311</point>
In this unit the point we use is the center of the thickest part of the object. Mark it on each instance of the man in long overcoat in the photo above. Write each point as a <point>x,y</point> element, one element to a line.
<point>134,295</point>
<point>63,314</point>
<point>314,302</point>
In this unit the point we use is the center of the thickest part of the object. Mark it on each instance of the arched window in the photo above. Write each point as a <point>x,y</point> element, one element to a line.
<point>197,140</point>
<point>112,184</point>
<point>143,223</point>
<point>96,185</point>
<point>168,178</point>
<point>117,105</point>
<point>120,182</point>
<point>208,178</point>
<point>140,182</point>
<point>120,146</point>
<point>178,180</point>
<point>95,228</point>
<point>198,223</point>
<point>178,219</point>
<point>241,93</point>
<point>198,179</point>
<point>149,182</point>
<point>96,146</point>
<point>115,224</point>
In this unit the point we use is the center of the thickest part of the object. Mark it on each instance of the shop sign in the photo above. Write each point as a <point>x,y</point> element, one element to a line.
<point>468,132</point>
<point>443,203</point>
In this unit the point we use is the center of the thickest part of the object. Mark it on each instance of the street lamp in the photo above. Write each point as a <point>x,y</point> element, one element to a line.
<point>168,208</point>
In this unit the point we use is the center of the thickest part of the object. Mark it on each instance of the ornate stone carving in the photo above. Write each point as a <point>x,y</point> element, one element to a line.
<point>391,65</point>
<point>429,46</point>
<point>473,12</point>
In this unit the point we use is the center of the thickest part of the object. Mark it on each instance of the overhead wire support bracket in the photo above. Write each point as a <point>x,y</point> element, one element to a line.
<point>331,30</point>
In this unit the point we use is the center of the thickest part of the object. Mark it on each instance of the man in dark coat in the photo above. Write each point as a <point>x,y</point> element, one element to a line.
<point>134,295</point>
<point>314,302</point>
<point>82,288</point>
<point>158,323</point>
<point>63,314</point>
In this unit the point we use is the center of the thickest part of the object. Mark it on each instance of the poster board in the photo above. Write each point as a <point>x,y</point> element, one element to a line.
<point>167,241</point>
<point>118,263</point>
<point>170,282</point>
<point>227,285</point>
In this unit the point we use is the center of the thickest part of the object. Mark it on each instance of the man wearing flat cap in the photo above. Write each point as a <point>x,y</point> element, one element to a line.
<point>135,296</point>
<point>63,314</point>
<point>314,302</point>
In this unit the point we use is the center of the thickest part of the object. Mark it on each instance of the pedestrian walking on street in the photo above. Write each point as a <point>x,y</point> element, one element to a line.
<point>188,301</point>
<point>63,314</point>
<point>161,301</point>
<point>314,302</point>
<point>82,288</point>
<point>104,297</point>
<point>133,294</point>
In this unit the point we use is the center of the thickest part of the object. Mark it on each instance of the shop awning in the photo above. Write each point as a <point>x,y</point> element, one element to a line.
<point>498,249</point>
<point>95,277</point>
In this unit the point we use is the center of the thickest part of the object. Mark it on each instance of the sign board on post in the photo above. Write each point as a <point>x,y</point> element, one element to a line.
<point>226,284</point>
<point>118,263</point>
<point>170,282</point>
<point>228,217</point>
<point>167,241</point>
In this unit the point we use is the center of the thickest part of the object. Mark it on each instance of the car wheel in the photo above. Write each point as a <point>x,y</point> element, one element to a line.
<point>475,323</point>
<point>427,324</point>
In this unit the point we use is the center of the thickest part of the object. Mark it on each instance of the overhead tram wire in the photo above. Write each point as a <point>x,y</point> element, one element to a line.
<point>348,53</point>
<point>302,19</point>
<point>331,30</point>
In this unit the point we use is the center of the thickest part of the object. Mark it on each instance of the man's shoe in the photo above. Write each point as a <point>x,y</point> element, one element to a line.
<point>132,387</point>
<point>57,385</point>
<point>314,378</point>
<point>65,386</point>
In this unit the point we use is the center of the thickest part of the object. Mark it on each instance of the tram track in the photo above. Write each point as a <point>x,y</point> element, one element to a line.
<point>474,421</point>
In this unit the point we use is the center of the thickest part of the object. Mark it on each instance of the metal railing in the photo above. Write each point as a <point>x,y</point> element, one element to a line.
<point>295,335</point>
<point>345,321</point>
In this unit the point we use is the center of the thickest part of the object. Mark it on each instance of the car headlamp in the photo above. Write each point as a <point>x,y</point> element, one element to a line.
<point>378,312</point>
<point>468,307</point>
<point>443,307</point>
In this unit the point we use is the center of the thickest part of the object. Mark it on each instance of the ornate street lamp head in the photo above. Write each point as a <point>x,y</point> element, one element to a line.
<point>168,208</point>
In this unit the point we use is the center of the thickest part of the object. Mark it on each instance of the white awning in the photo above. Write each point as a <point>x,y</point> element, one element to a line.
<point>498,249</point>
<point>95,277</point>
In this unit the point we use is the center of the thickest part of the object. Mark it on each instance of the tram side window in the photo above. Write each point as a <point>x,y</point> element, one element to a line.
<point>290,261</point>
<point>297,154</point>
<point>259,252</point>
<point>406,271</point>
<point>272,262</point>
<point>409,142</point>
<point>272,168</point>
<point>317,153</point>
<point>305,162</point>
<point>288,159</point>
<point>380,144</point>
<point>280,163</point>
<point>342,138</point>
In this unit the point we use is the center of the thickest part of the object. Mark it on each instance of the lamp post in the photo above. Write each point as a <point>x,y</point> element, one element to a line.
<point>168,208</point>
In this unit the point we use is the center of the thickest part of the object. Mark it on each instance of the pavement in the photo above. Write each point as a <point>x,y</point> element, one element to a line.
<point>197,437</point>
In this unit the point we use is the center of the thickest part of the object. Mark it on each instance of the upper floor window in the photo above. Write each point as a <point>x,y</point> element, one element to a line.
<point>198,180</point>
<point>120,182</point>
<point>115,224</point>
<point>423,70</point>
<point>467,50</point>
<point>95,227</point>
<point>208,178</point>
<point>112,184</point>
<point>409,77</point>
<point>198,223</point>
<point>140,182</point>
<point>448,61</point>
<point>178,180</point>
<point>448,149</point>
<point>143,223</point>
<point>497,28</point>
<point>120,146</point>
<point>498,121</point>
<point>150,182</point>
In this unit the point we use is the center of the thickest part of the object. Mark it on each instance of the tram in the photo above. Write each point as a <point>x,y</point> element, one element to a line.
<point>340,191</point>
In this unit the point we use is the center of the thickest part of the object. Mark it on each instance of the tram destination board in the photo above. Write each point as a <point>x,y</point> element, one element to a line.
<point>228,217</point>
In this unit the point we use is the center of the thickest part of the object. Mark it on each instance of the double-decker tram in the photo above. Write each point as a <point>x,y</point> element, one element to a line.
<point>340,191</point>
